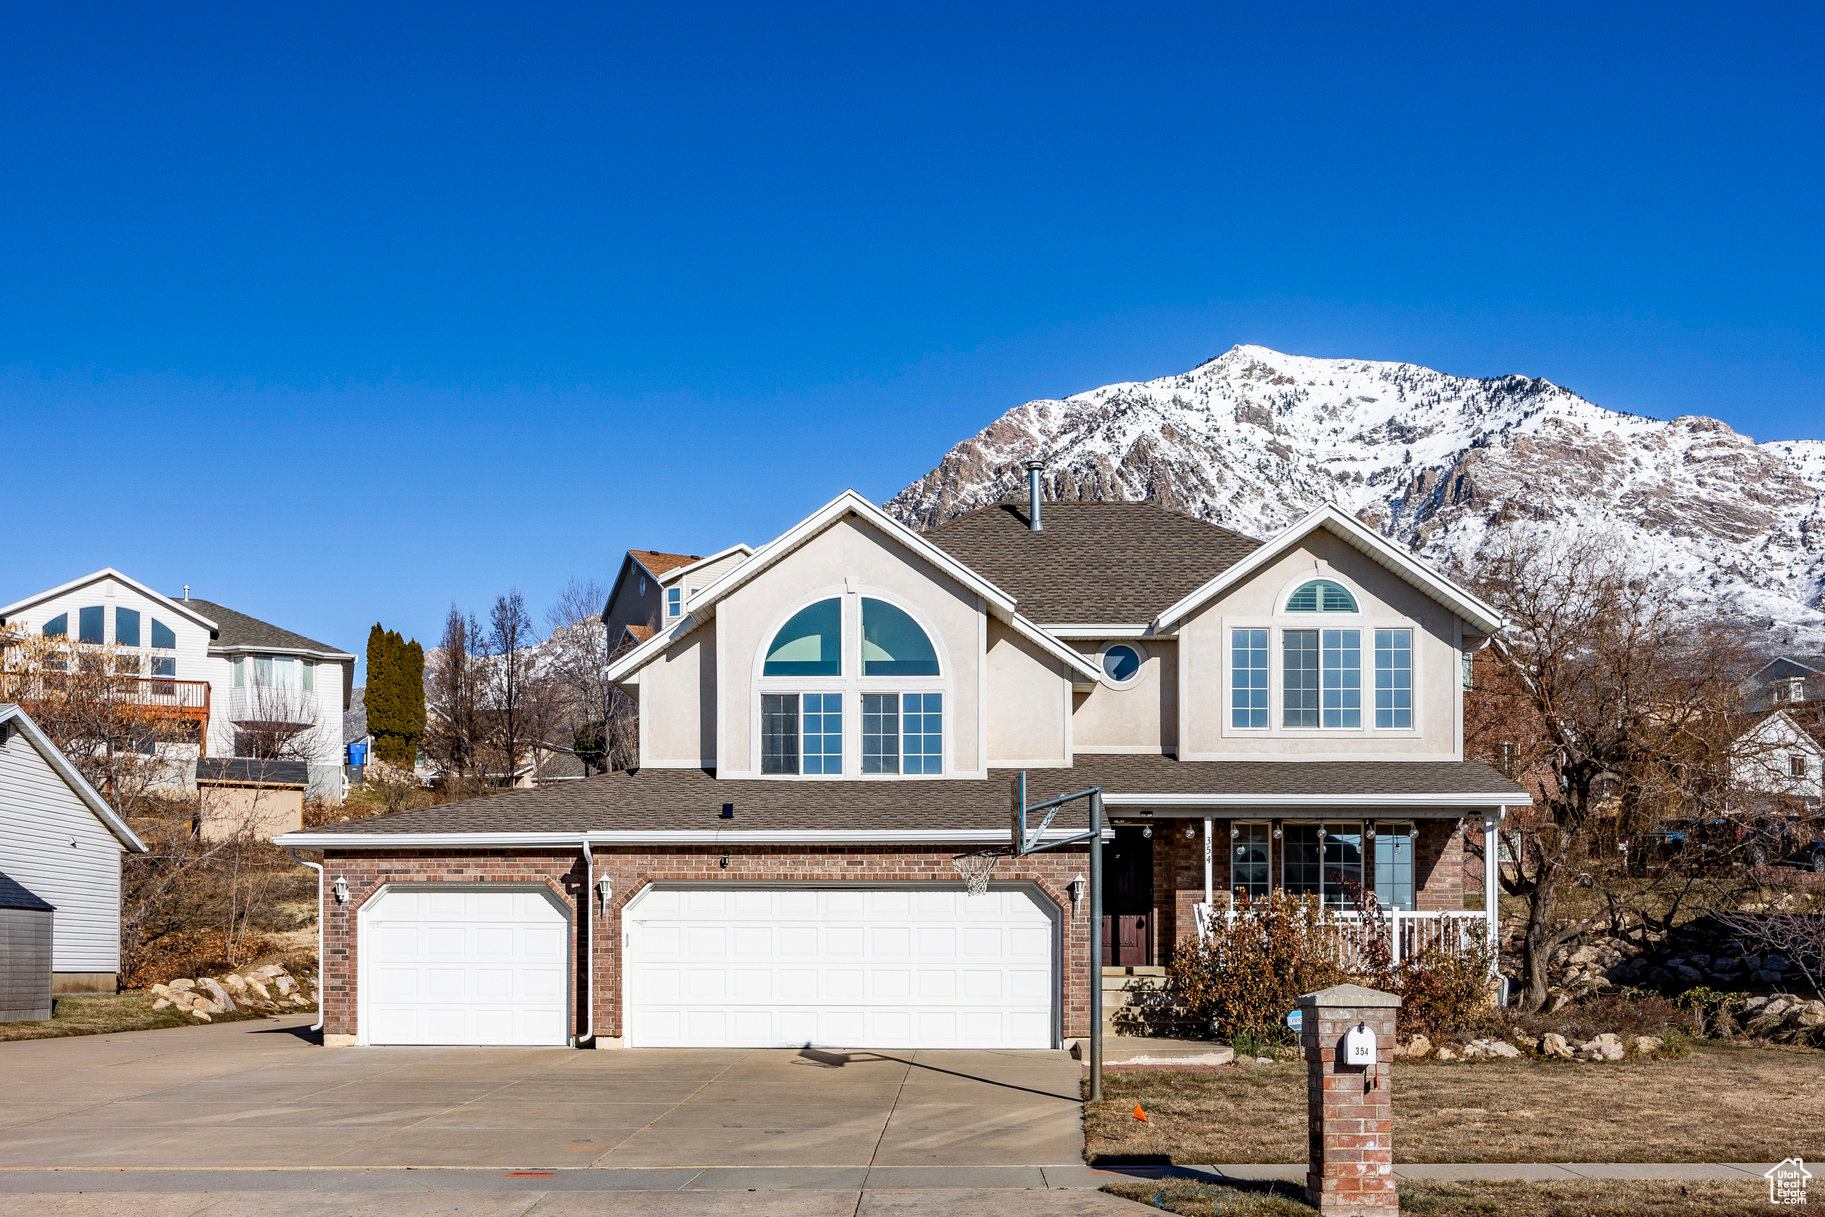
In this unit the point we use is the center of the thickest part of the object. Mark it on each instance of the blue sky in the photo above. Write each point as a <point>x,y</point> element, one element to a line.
<point>343,313</point>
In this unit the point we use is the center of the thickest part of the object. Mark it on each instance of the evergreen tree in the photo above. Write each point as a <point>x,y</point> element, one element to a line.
<point>395,695</point>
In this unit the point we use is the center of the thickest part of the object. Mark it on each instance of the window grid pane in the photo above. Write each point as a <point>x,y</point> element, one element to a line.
<point>922,724</point>
<point>880,733</point>
<point>674,601</point>
<point>1251,872</point>
<point>823,721</point>
<point>1394,678</point>
<point>1248,678</point>
<point>1394,866</point>
<point>779,733</point>
<point>1343,678</point>
<point>1302,871</point>
<point>1299,698</point>
<point>1343,865</point>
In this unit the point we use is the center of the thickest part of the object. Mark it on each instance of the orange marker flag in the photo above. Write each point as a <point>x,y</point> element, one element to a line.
<point>1139,1114</point>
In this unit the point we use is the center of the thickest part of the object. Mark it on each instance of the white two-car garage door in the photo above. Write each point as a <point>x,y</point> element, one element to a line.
<point>859,967</point>
<point>481,965</point>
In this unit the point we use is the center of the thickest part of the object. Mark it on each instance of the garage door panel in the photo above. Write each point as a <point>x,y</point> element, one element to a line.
<point>464,967</point>
<point>846,967</point>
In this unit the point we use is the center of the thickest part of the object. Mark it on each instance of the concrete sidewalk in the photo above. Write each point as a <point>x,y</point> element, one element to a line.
<point>1524,1172</point>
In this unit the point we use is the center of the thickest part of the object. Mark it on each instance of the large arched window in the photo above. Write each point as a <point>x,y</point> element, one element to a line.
<point>810,644</point>
<point>892,642</point>
<point>1321,596</point>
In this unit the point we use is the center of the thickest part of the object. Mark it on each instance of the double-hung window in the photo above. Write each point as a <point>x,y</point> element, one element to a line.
<point>1322,678</point>
<point>1248,679</point>
<point>674,603</point>
<point>903,733</point>
<point>801,733</point>
<point>1394,679</point>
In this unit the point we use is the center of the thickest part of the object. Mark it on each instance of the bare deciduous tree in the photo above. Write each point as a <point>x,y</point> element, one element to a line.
<point>457,676</point>
<point>598,716</point>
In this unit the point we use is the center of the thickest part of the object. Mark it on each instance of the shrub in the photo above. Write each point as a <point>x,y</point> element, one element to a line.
<point>1441,992</point>
<point>1249,971</point>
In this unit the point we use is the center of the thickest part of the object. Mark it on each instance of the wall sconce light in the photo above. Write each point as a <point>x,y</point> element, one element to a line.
<point>1276,830</point>
<point>1322,834</point>
<point>1076,887</point>
<point>341,888</point>
<point>1235,832</point>
<point>605,887</point>
<point>1368,831</point>
<point>1147,831</point>
<point>1190,832</point>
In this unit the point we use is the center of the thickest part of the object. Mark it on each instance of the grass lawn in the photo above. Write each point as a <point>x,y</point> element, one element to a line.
<point>95,1013</point>
<point>1723,1103</point>
<point>1568,1199</point>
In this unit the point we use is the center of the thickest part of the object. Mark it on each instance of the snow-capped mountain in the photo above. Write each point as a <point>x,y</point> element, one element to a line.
<point>1254,439</point>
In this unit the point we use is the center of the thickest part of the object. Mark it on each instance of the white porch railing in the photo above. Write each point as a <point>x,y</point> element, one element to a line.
<point>1409,932</point>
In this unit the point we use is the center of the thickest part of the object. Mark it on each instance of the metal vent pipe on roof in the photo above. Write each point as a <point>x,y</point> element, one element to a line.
<point>1033,470</point>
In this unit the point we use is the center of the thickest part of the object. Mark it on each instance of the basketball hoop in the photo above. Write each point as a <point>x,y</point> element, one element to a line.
<point>975,869</point>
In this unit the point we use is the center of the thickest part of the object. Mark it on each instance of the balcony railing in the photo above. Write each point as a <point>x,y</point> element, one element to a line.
<point>1347,934</point>
<point>188,698</point>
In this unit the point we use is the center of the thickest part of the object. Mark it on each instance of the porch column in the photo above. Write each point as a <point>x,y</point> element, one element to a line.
<point>1209,896</point>
<point>1492,854</point>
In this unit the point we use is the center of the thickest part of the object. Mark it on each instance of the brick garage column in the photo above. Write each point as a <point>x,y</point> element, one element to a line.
<point>1350,1172</point>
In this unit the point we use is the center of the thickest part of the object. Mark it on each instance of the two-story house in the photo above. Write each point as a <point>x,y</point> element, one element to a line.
<point>238,684</point>
<point>836,718</point>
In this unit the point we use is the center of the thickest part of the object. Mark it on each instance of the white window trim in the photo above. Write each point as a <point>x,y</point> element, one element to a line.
<point>1140,672</point>
<point>851,685</point>
<point>1366,621</point>
<point>1365,861</point>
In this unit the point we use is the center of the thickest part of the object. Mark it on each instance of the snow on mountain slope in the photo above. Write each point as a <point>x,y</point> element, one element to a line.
<point>1254,439</point>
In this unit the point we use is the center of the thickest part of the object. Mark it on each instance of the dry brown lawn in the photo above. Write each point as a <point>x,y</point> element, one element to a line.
<point>97,1013</point>
<point>1721,1104</point>
<point>1567,1199</point>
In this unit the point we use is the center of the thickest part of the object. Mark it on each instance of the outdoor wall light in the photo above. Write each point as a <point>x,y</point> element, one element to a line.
<point>606,888</point>
<point>1190,832</point>
<point>1276,830</point>
<point>1368,831</point>
<point>1076,887</point>
<point>1322,834</point>
<point>1235,832</point>
<point>1147,831</point>
<point>341,888</point>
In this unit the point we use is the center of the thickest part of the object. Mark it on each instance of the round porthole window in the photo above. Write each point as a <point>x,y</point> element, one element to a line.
<point>1121,664</point>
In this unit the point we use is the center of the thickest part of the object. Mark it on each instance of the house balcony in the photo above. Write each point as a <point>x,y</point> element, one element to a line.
<point>1347,935</point>
<point>160,696</point>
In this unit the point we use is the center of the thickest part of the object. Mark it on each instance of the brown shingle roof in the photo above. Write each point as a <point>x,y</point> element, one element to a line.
<point>640,632</point>
<point>1101,563</point>
<point>683,799</point>
<point>657,563</point>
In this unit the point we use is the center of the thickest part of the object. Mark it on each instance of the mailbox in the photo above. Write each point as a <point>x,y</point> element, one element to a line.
<point>1359,1046</point>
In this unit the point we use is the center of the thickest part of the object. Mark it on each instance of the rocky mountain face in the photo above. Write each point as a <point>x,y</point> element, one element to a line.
<point>1254,439</point>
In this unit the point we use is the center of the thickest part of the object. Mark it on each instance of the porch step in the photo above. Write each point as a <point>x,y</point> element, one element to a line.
<point>1140,1001</point>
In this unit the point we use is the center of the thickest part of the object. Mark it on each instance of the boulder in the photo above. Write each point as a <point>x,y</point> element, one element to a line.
<point>1418,1048</point>
<point>1609,1045</point>
<point>200,1013</point>
<point>1700,961</point>
<point>1807,1015</point>
<point>162,1003</point>
<point>1762,976</point>
<point>1686,972</point>
<point>1503,1049</point>
<point>285,984</point>
<point>218,995</point>
<point>1555,1045</point>
<point>258,989</point>
<point>1444,1054</point>
<point>1645,1046</point>
<point>1775,963</point>
<point>183,984</point>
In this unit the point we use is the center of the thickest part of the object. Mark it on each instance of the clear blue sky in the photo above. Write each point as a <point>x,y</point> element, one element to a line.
<point>341,314</point>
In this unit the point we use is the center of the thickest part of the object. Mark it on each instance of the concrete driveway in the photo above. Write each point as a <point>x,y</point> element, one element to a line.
<point>218,1110</point>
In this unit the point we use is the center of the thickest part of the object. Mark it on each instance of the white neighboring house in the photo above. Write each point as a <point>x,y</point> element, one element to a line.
<point>62,843</point>
<point>223,671</point>
<point>1780,756</point>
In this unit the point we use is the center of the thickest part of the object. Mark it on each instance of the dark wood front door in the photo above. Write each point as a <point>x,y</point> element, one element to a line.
<point>1128,899</point>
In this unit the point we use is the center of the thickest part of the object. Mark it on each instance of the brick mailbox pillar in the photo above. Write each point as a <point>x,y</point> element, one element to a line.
<point>1350,1107</point>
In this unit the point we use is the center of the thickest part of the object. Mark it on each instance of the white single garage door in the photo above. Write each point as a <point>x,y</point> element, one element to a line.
<point>473,966</point>
<point>855,967</point>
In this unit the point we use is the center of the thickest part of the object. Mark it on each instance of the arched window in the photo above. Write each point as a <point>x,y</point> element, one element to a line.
<point>893,644</point>
<point>1321,596</point>
<point>58,626</point>
<point>810,644</point>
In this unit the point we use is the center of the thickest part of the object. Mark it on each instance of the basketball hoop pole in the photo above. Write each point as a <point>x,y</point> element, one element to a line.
<point>1096,946</point>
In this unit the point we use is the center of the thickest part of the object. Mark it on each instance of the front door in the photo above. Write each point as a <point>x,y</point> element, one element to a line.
<point>1128,898</point>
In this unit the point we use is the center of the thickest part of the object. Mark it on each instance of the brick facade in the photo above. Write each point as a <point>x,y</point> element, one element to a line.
<point>631,870</point>
<point>1350,1108</point>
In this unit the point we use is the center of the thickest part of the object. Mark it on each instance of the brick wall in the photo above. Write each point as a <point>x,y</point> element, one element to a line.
<point>632,870</point>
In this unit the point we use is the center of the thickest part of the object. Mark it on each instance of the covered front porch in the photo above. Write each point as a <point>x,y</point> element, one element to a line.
<point>1173,872</point>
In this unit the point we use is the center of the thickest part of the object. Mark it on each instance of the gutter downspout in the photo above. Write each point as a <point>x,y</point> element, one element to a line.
<point>318,867</point>
<point>589,983</point>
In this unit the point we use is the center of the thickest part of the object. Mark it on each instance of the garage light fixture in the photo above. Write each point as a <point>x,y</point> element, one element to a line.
<point>1077,890</point>
<point>341,888</point>
<point>605,887</point>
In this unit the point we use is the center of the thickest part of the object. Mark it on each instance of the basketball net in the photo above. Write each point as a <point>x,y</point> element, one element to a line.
<point>976,869</point>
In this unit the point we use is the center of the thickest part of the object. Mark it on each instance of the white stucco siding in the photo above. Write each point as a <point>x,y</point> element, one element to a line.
<point>1386,601</point>
<point>678,704</point>
<point>52,844</point>
<point>847,553</point>
<point>1029,703</point>
<point>1140,716</point>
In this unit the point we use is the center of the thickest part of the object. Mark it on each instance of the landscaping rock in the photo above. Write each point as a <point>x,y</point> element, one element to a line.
<point>285,984</point>
<point>1645,1046</point>
<point>162,1003</point>
<point>1416,1049</point>
<point>1444,1054</point>
<point>183,984</point>
<point>202,1014</point>
<point>1555,1045</point>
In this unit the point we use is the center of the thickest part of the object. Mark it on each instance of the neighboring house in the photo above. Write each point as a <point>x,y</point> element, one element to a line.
<point>832,722</point>
<point>247,795</point>
<point>1782,756</point>
<point>232,677</point>
<point>652,589</point>
<point>63,844</point>
<point>1786,682</point>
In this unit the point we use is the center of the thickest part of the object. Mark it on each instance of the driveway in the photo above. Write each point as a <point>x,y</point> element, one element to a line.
<point>214,1110</point>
